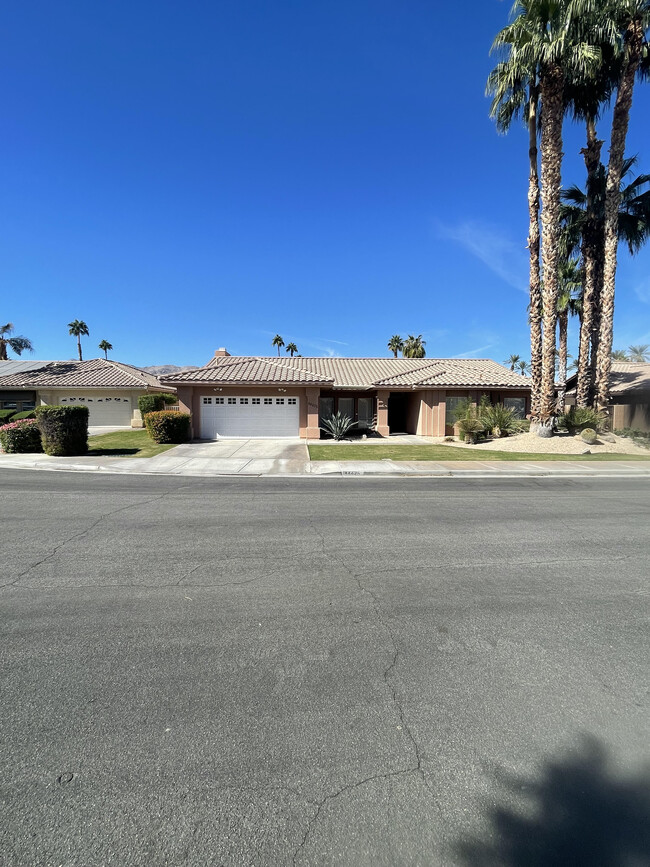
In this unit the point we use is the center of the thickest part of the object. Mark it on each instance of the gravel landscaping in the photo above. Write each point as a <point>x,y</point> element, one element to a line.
<point>560,444</point>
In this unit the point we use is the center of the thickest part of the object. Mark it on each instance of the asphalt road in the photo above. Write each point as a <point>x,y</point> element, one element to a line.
<point>323,671</point>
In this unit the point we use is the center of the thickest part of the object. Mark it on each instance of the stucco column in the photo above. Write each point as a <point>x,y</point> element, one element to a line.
<point>312,431</point>
<point>382,413</point>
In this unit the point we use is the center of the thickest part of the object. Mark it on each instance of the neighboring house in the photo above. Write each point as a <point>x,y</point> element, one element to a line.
<point>109,389</point>
<point>250,396</point>
<point>630,394</point>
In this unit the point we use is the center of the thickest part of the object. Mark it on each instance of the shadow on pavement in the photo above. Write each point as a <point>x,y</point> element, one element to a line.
<point>578,813</point>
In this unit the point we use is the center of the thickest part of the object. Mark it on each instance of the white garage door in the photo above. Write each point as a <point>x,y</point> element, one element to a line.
<point>104,409</point>
<point>249,417</point>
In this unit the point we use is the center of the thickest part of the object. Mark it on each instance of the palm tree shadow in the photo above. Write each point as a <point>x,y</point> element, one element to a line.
<point>580,814</point>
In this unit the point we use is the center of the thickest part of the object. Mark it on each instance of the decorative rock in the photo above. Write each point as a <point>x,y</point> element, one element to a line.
<point>608,438</point>
<point>589,436</point>
<point>585,452</point>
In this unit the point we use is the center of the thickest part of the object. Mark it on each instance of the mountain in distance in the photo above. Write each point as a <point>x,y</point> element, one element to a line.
<point>163,369</point>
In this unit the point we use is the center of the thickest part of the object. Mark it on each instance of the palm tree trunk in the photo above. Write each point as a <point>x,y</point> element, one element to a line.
<point>591,154</point>
<point>552,85</point>
<point>79,346</point>
<point>533,249</point>
<point>634,37</point>
<point>3,350</point>
<point>563,322</point>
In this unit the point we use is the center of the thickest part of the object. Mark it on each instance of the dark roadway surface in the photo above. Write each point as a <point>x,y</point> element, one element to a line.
<point>323,671</point>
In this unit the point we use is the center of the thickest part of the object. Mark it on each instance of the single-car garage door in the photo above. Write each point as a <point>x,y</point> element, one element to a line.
<point>104,409</point>
<point>249,417</point>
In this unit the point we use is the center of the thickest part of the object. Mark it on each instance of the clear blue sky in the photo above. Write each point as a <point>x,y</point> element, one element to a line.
<point>184,176</point>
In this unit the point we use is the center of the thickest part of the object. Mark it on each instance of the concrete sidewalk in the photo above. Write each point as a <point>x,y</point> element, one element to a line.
<point>195,459</point>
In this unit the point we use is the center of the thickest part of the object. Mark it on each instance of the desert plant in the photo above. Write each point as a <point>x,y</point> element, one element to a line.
<point>589,436</point>
<point>580,417</point>
<point>499,420</point>
<point>168,427</point>
<point>64,429</point>
<point>338,425</point>
<point>21,437</point>
<point>468,419</point>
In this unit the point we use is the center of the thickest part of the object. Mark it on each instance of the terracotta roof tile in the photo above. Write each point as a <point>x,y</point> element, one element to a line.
<point>95,373</point>
<point>355,373</point>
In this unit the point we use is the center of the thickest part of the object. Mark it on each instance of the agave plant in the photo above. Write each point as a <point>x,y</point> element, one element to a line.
<point>499,420</point>
<point>578,418</point>
<point>338,425</point>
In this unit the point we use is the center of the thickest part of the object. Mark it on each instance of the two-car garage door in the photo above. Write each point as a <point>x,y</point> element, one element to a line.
<point>249,416</point>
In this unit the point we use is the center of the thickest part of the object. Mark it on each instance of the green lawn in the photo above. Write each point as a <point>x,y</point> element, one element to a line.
<point>127,444</point>
<point>444,453</point>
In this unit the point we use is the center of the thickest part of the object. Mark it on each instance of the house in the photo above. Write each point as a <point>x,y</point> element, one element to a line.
<point>251,396</point>
<point>110,389</point>
<point>630,394</point>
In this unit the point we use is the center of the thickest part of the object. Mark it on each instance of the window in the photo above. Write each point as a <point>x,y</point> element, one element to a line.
<point>9,404</point>
<point>292,401</point>
<point>365,412</point>
<point>452,404</point>
<point>207,400</point>
<point>268,401</point>
<point>279,401</point>
<point>255,400</point>
<point>220,400</point>
<point>346,407</point>
<point>232,400</point>
<point>243,400</point>
<point>27,404</point>
<point>516,403</point>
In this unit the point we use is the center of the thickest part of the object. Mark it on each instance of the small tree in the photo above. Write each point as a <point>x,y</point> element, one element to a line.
<point>105,346</point>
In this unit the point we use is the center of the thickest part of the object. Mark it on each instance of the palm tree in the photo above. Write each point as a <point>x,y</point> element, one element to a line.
<point>619,355</point>
<point>513,360</point>
<point>639,353</point>
<point>414,347</point>
<point>16,344</point>
<point>292,348</point>
<point>514,86</point>
<point>395,344</point>
<point>523,367</point>
<point>277,341</point>
<point>567,301</point>
<point>78,328</point>
<point>105,346</point>
<point>543,37</point>
<point>584,214</point>
<point>632,17</point>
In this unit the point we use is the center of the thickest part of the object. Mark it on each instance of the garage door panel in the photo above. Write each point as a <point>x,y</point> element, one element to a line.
<point>103,409</point>
<point>247,417</point>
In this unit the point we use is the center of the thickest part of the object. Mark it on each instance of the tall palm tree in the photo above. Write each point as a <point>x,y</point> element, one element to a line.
<point>277,341</point>
<point>78,328</point>
<point>543,37</point>
<point>639,353</point>
<point>395,344</point>
<point>292,348</point>
<point>105,346</point>
<point>514,86</point>
<point>414,347</point>
<point>619,355</point>
<point>633,20</point>
<point>523,367</point>
<point>16,344</point>
<point>567,301</point>
<point>583,213</point>
<point>513,360</point>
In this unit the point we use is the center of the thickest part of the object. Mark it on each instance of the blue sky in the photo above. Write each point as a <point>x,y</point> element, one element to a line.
<point>189,176</point>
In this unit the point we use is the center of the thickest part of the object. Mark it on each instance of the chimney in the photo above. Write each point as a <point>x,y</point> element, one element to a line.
<point>221,352</point>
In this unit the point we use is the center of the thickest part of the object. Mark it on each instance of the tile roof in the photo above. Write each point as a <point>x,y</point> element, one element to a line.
<point>15,365</point>
<point>357,373</point>
<point>626,376</point>
<point>96,373</point>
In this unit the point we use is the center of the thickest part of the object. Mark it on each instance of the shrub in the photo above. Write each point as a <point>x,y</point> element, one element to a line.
<point>6,414</point>
<point>21,437</point>
<point>64,429</point>
<point>338,425</point>
<point>150,403</point>
<point>580,417</point>
<point>523,425</point>
<point>468,420</point>
<point>589,436</point>
<point>499,420</point>
<point>168,427</point>
<point>27,413</point>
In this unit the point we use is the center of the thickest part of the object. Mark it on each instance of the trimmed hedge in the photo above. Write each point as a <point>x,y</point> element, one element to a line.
<point>6,414</point>
<point>64,429</point>
<point>154,402</point>
<point>21,437</point>
<point>168,427</point>
<point>27,413</point>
